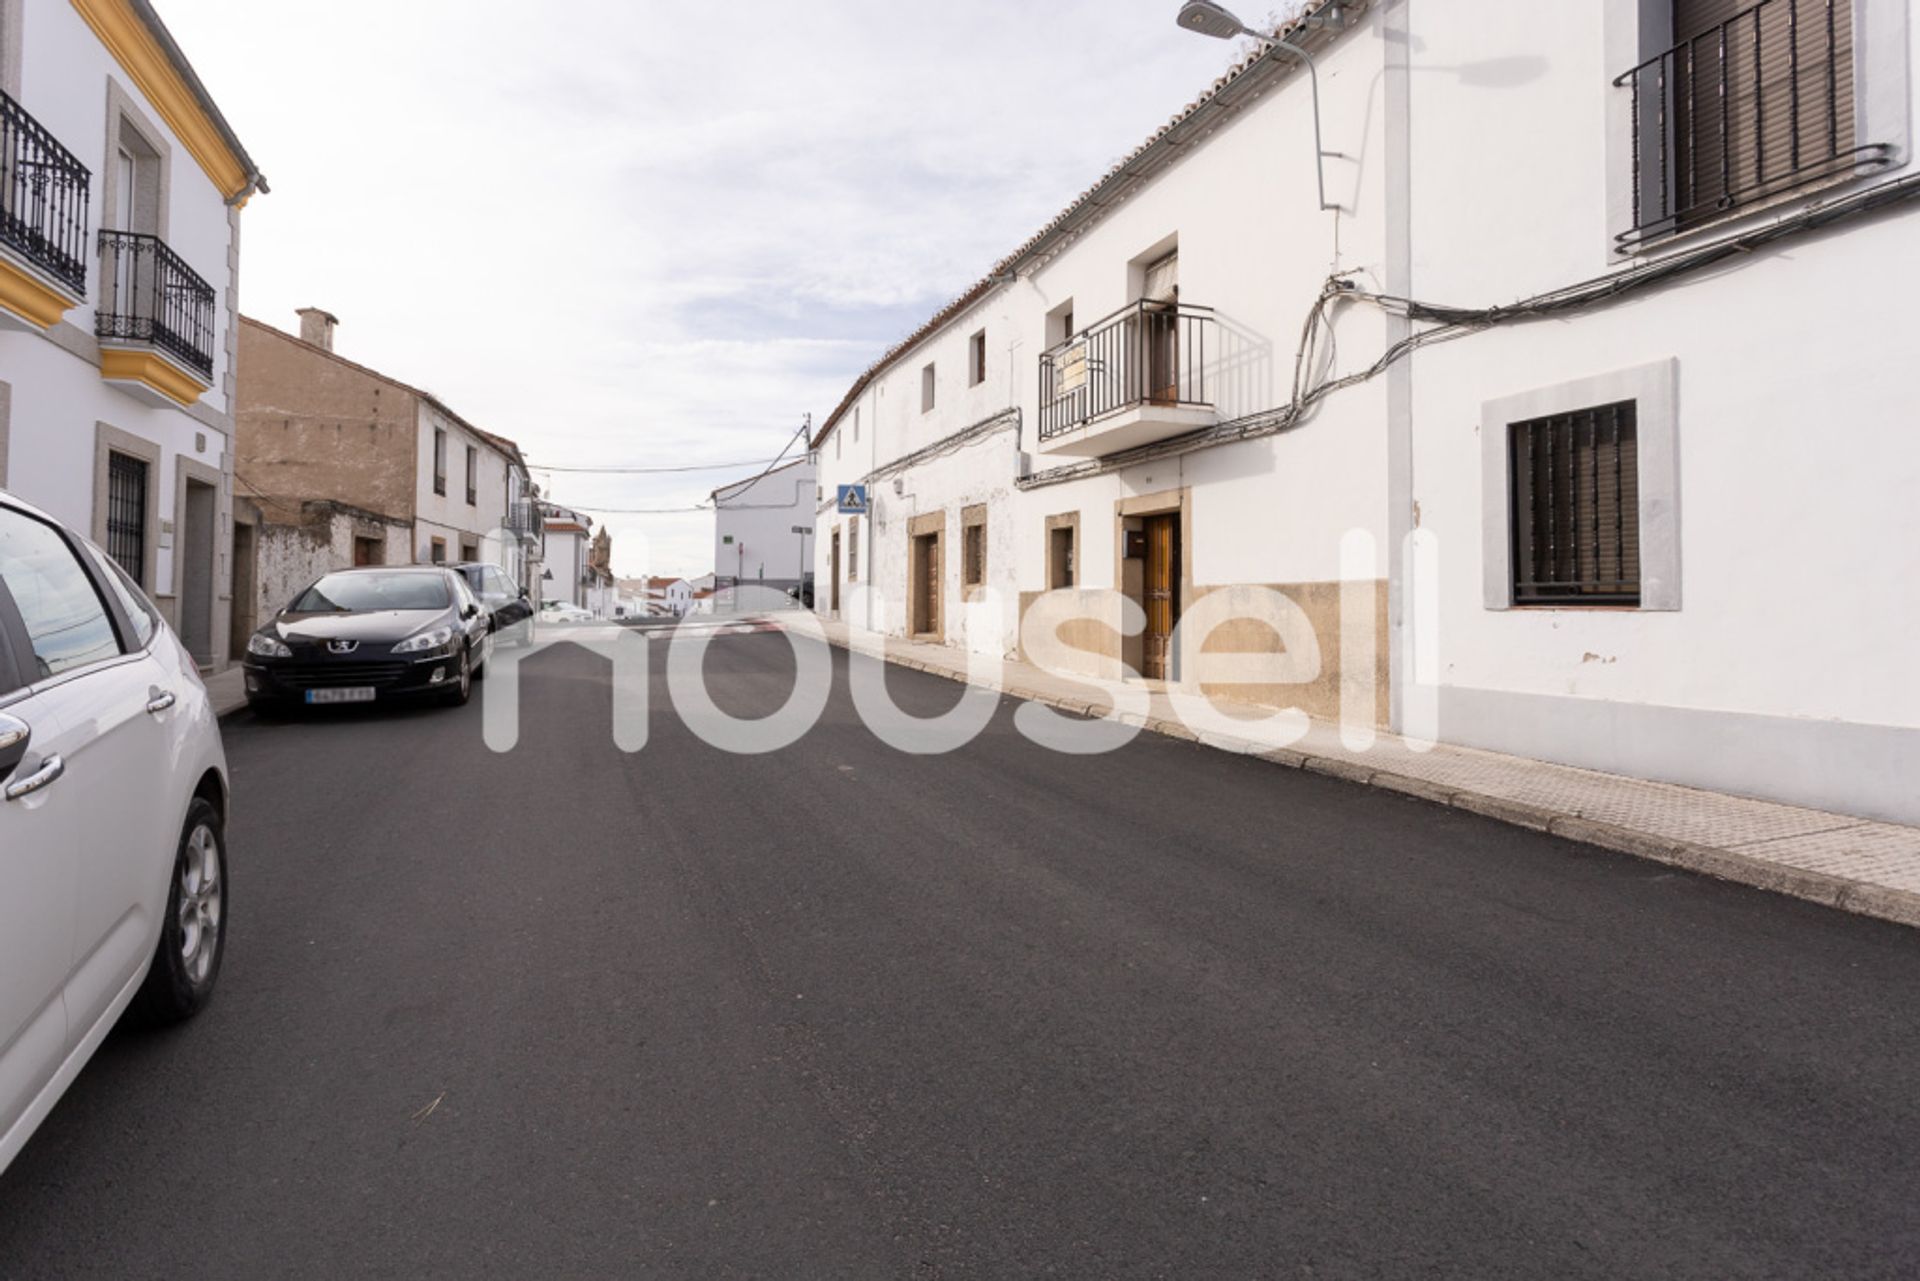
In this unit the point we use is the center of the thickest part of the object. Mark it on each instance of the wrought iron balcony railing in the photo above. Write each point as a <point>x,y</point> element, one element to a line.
<point>1757,107</point>
<point>523,517</point>
<point>43,198</point>
<point>1147,353</point>
<point>148,295</point>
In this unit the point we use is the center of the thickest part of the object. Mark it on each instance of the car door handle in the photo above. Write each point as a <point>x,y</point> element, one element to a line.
<point>160,702</point>
<point>51,768</point>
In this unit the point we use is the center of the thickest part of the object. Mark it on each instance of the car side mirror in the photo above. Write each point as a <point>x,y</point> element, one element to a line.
<point>470,611</point>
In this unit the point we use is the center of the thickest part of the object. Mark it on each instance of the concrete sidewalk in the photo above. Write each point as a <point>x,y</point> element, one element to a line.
<point>1842,861</point>
<point>227,689</point>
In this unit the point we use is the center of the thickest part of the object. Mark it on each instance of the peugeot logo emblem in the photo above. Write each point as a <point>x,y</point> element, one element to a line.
<point>342,646</point>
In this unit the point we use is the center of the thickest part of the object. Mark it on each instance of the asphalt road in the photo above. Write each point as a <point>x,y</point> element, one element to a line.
<point>839,1012</point>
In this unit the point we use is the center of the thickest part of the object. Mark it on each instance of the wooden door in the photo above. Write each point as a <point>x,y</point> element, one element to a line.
<point>833,593</point>
<point>1162,595</point>
<point>926,572</point>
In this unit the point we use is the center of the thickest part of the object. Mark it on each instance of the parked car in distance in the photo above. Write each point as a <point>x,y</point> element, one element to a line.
<point>113,803</point>
<point>507,604</point>
<point>559,611</point>
<point>366,635</point>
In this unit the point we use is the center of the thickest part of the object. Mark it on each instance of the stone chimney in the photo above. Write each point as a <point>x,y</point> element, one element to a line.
<point>316,327</point>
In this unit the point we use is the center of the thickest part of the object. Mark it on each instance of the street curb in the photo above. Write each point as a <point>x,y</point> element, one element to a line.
<point>1860,898</point>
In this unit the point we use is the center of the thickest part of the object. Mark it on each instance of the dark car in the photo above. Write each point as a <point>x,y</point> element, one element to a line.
<point>508,605</point>
<point>366,635</point>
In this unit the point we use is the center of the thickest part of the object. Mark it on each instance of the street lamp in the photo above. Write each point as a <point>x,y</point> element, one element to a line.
<point>1210,19</point>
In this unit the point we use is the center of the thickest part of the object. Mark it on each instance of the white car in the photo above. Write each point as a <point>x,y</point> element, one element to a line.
<point>113,803</point>
<point>559,611</point>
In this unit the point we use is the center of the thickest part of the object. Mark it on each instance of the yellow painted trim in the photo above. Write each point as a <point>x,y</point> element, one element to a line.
<point>135,364</point>
<point>31,298</point>
<point>140,55</point>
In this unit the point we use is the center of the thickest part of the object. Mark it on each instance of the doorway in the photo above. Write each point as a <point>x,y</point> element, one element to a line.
<point>1160,592</point>
<point>1160,294</point>
<point>923,587</point>
<point>240,622</point>
<point>833,592</point>
<point>197,569</point>
<point>366,551</point>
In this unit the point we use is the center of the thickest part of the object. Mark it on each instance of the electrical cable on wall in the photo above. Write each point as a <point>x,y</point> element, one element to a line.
<point>1452,322</point>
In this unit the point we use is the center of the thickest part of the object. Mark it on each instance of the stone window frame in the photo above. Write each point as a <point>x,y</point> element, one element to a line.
<point>123,111</point>
<point>11,60</point>
<point>973,516</point>
<point>1654,389</point>
<point>107,441</point>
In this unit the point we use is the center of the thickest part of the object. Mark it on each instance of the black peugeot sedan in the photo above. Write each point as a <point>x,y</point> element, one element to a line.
<point>507,604</point>
<point>367,635</point>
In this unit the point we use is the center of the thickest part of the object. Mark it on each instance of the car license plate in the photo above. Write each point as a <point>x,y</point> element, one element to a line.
<point>346,694</point>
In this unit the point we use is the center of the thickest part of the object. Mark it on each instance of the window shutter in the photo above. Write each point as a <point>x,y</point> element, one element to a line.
<point>1761,94</point>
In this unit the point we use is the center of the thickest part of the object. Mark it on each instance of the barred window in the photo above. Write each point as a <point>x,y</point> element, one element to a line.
<point>1575,517</point>
<point>127,514</point>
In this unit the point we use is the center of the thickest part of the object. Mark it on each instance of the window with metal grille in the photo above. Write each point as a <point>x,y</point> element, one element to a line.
<point>1576,508</point>
<point>127,515</point>
<point>1754,102</point>
<point>439,461</point>
<point>473,475</point>
<point>853,548</point>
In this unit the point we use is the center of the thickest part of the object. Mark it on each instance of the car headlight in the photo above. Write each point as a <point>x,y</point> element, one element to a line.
<point>438,638</point>
<point>265,646</point>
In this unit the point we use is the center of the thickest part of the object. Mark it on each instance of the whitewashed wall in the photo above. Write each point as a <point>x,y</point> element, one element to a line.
<point>760,518</point>
<point>1253,245</point>
<point>448,515</point>
<point>1787,668</point>
<point>58,397</point>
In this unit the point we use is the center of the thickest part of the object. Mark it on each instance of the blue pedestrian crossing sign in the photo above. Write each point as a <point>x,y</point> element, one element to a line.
<point>853,500</point>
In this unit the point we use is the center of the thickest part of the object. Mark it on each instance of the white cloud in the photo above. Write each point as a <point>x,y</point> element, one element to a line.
<point>618,234</point>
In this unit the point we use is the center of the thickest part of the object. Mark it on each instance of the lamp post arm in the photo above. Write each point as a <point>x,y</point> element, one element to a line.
<point>1313,76</point>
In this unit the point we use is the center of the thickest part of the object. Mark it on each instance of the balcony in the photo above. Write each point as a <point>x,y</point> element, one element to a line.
<point>523,519</point>
<point>1742,114</point>
<point>43,221</point>
<point>1135,377</point>
<point>155,320</point>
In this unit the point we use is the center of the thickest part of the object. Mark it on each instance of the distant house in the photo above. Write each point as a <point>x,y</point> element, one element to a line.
<point>669,597</point>
<point>344,465</point>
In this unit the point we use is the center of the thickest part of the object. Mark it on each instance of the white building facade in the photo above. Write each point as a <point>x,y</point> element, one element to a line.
<point>462,490</point>
<point>1543,429</point>
<point>754,540</point>
<point>120,193</point>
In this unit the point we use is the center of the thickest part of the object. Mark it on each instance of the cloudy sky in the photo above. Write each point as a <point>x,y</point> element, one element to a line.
<point>632,232</point>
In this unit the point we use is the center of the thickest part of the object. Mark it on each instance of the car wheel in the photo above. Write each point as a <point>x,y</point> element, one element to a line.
<point>463,688</point>
<point>193,934</point>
